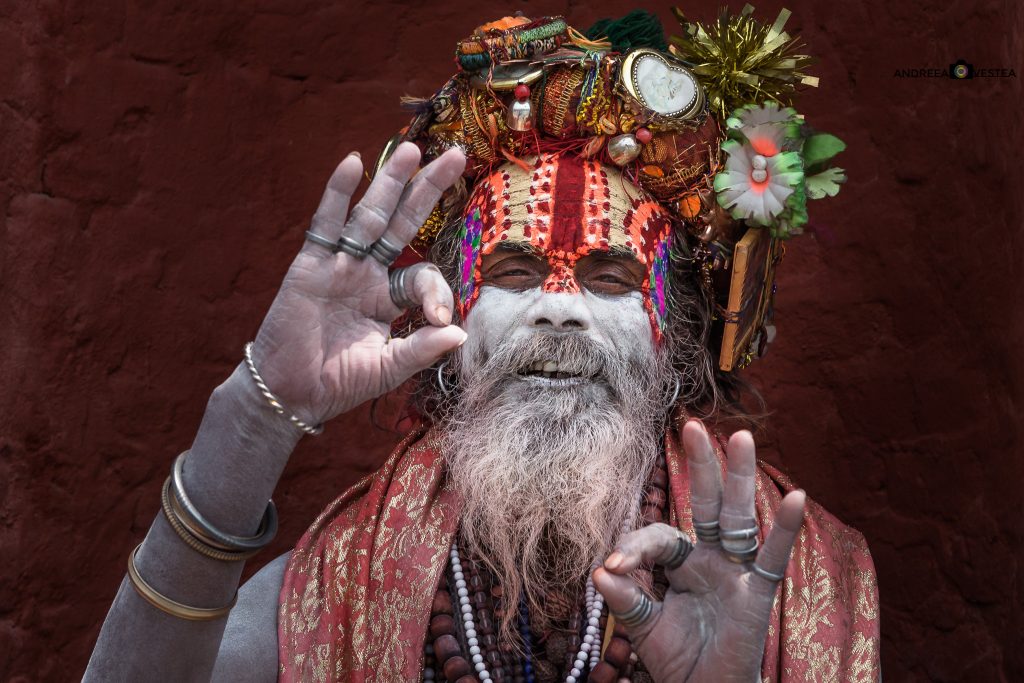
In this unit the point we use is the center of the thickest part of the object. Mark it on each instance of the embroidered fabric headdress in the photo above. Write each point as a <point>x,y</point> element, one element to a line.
<point>617,137</point>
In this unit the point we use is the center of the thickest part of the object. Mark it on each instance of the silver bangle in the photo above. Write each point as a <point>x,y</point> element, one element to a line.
<point>192,537</point>
<point>194,521</point>
<point>274,401</point>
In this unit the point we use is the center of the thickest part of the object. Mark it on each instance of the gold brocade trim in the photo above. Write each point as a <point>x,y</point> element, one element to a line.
<point>558,93</point>
<point>481,126</point>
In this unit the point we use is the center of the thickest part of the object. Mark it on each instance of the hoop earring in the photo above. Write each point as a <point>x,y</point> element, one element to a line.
<point>440,378</point>
<point>675,391</point>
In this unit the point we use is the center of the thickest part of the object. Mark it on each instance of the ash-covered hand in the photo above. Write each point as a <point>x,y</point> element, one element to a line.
<point>712,624</point>
<point>324,345</point>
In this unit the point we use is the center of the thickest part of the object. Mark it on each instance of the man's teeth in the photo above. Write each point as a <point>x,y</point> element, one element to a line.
<point>549,368</point>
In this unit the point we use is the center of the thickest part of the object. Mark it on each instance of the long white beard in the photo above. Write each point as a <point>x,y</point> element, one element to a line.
<point>549,476</point>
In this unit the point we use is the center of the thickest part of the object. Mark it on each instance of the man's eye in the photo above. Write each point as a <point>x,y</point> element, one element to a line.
<point>611,279</point>
<point>514,271</point>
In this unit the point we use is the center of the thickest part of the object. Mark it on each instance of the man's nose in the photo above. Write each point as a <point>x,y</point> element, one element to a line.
<point>559,312</point>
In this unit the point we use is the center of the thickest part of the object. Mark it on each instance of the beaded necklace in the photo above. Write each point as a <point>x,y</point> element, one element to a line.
<point>461,644</point>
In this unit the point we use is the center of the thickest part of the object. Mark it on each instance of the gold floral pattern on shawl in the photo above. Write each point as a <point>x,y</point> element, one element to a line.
<point>358,587</point>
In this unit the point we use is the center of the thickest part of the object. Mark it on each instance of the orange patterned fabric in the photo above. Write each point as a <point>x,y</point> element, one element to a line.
<point>358,589</point>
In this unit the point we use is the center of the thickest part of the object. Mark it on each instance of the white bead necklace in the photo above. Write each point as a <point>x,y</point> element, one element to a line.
<point>594,605</point>
<point>469,626</point>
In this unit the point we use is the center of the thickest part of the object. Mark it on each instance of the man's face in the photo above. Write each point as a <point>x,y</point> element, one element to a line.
<point>517,301</point>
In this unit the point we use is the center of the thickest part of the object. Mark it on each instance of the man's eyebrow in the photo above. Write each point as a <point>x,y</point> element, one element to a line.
<point>619,251</point>
<point>516,245</point>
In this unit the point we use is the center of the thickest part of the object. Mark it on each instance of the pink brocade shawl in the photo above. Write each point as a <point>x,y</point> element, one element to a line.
<point>357,593</point>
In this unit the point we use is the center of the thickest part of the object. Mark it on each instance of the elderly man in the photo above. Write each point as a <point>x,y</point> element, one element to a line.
<point>536,523</point>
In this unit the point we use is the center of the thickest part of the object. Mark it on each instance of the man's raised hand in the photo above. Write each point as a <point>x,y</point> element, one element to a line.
<point>323,347</point>
<point>713,621</point>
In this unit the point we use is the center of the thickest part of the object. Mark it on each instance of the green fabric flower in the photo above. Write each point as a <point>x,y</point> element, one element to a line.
<point>772,166</point>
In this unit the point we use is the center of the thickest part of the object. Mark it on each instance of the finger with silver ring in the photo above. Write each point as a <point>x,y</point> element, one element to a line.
<point>330,245</point>
<point>739,529</point>
<point>329,219</point>
<point>740,544</point>
<point>705,481</point>
<point>707,532</point>
<point>398,288</point>
<point>370,217</point>
<point>418,200</point>
<point>765,574</point>
<point>627,602</point>
<point>423,285</point>
<point>352,247</point>
<point>638,614</point>
<point>770,563</point>
<point>654,543</point>
<point>680,551</point>
<point>741,551</point>
<point>385,252</point>
<point>739,534</point>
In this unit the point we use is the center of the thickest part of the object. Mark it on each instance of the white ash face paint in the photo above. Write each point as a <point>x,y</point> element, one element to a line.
<point>501,314</point>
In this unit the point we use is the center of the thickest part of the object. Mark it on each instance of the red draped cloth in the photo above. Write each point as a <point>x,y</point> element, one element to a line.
<point>357,593</point>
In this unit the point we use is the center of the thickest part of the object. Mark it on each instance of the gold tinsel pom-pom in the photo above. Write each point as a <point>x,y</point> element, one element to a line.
<point>741,60</point>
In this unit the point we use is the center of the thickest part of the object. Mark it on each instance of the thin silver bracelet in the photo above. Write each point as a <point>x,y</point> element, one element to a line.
<point>274,401</point>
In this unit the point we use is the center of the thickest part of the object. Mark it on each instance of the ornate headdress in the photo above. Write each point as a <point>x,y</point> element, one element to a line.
<point>634,140</point>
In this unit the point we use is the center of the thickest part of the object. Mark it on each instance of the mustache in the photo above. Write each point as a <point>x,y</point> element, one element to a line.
<point>575,353</point>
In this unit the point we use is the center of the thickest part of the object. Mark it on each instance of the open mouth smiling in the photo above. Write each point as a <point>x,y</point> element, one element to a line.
<point>551,373</point>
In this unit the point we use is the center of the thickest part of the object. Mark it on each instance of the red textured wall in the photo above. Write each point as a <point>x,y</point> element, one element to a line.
<point>159,160</point>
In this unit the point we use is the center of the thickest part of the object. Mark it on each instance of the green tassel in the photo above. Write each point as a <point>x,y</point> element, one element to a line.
<point>639,28</point>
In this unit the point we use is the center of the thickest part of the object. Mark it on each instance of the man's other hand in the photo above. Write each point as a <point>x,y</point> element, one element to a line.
<point>324,345</point>
<point>712,624</point>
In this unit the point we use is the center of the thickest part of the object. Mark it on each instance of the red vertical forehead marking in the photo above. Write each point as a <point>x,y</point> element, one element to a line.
<point>567,222</point>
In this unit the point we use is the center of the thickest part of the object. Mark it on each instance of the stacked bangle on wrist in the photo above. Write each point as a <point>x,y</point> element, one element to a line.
<point>273,400</point>
<point>200,534</point>
<point>172,607</point>
<point>206,539</point>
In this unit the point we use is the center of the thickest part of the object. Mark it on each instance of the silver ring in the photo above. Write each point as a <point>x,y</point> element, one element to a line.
<point>742,555</point>
<point>385,252</point>
<point>739,534</point>
<point>397,288</point>
<point>707,531</point>
<point>322,241</point>
<point>680,552</point>
<point>765,574</point>
<point>638,614</point>
<point>353,247</point>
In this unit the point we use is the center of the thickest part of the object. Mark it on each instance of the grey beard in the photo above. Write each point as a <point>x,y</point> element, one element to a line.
<point>549,476</point>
